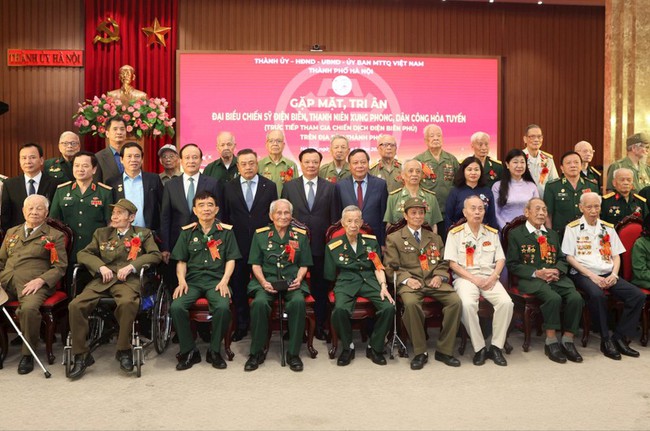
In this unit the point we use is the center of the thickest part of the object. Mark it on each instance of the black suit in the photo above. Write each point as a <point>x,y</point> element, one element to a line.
<point>245,222</point>
<point>153,191</point>
<point>106,166</point>
<point>325,212</point>
<point>374,202</point>
<point>14,194</point>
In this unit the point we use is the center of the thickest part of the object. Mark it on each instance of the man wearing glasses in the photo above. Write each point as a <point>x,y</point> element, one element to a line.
<point>388,167</point>
<point>588,172</point>
<point>275,166</point>
<point>61,167</point>
<point>540,163</point>
<point>170,162</point>
<point>637,150</point>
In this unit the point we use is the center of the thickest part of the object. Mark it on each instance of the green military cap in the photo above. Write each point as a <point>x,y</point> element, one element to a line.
<point>414,203</point>
<point>125,204</point>
<point>638,138</point>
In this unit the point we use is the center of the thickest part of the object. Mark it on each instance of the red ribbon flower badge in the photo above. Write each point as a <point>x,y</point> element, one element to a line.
<point>469,255</point>
<point>287,175</point>
<point>291,252</point>
<point>605,247</point>
<point>543,175</point>
<point>134,244</point>
<point>332,179</point>
<point>428,172</point>
<point>543,246</point>
<point>213,247</point>
<point>48,244</point>
<point>372,256</point>
<point>492,174</point>
<point>424,262</point>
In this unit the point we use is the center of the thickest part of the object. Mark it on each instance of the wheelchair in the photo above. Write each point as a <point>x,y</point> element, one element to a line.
<point>152,324</point>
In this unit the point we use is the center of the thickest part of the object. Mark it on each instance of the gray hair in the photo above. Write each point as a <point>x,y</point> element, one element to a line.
<point>42,198</point>
<point>275,130</point>
<point>335,137</point>
<point>68,133</point>
<point>408,161</point>
<point>584,196</point>
<point>431,126</point>
<point>468,198</point>
<point>479,135</point>
<point>275,203</point>
<point>350,209</point>
<point>622,170</point>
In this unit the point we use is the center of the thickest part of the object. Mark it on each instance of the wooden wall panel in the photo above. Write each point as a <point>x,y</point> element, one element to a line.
<point>41,99</point>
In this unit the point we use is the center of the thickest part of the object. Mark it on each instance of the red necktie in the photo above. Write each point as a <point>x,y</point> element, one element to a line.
<point>359,195</point>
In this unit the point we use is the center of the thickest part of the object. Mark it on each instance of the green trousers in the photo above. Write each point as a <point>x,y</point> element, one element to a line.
<point>551,296</point>
<point>294,306</point>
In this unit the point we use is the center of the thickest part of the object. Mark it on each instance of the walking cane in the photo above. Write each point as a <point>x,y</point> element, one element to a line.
<point>396,339</point>
<point>280,285</point>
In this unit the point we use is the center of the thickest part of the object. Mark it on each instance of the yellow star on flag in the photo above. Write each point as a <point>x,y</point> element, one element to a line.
<point>156,31</point>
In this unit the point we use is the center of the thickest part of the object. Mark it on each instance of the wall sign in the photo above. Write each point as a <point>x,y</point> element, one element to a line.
<point>45,57</point>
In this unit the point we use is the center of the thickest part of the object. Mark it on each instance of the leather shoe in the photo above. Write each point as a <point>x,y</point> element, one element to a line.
<point>418,362</point>
<point>625,348</point>
<point>571,353</point>
<point>26,365</point>
<point>239,334</point>
<point>126,360</point>
<point>254,362</point>
<point>294,361</point>
<point>81,362</point>
<point>497,356</point>
<point>554,352</point>
<point>186,360</point>
<point>447,359</point>
<point>480,356</point>
<point>377,358</point>
<point>347,355</point>
<point>609,350</point>
<point>215,359</point>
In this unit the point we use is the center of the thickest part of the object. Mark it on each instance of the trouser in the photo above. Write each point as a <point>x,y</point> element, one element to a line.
<point>239,286</point>
<point>219,308</point>
<point>497,296</point>
<point>551,296</point>
<point>294,306</point>
<point>29,313</point>
<point>413,317</point>
<point>319,290</point>
<point>127,304</point>
<point>632,297</point>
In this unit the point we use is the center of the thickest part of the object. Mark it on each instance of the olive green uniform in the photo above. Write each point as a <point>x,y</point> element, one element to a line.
<point>594,175</point>
<point>395,206</point>
<point>641,173</point>
<point>283,171</point>
<point>267,249</point>
<point>615,208</point>
<point>391,173</point>
<point>218,170</point>
<point>328,172</point>
<point>562,201</point>
<point>441,179</point>
<point>59,168</point>
<point>641,262</point>
<point>492,171</point>
<point>203,274</point>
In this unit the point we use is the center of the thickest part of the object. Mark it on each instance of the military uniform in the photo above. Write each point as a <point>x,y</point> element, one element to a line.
<point>402,249</point>
<point>265,249</point>
<point>391,173</point>
<point>524,258</point>
<point>641,173</point>
<point>356,277</point>
<point>218,170</point>
<point>203,274</point>
<point>438,175</point>
<point>397,199</point>
<point>641,262</point>
<point>486,251</point>
<point>492,171</point>
<point>328,172</point>
<point>283,171</point>
<point>59,168</point>
<point>23,260</point>
<point>164,178</point>
<point>562,201</point>
<point>107,249</point>
<point>542,169</point>
<point>615,207</point>
<point>594,175</point>
<point>83,212</point>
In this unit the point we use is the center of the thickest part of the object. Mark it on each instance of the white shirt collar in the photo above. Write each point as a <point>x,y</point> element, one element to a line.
<point>532,228</point>
<point>36,178</point>
<point>243,180</point>
<point>187,177</point>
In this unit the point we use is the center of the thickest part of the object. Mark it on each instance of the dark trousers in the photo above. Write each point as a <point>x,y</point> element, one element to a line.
<point>319,289</point>
<point>632,297</point>
<point>239,285</point>
<point>294,306</point>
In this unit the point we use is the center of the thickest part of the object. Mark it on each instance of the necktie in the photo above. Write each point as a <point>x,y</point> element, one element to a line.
<point>359,195</point>
<point>249,194</point>
<point>120,235</point>
<point>32,189</point>
<point>310,195</point>
<point>416,234</point>
<point>118,161</point>
<point>190,193</point>
<point>29,232</point>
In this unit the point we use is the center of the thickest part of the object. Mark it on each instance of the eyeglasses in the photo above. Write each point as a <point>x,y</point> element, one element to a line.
<point>388,145</point>
<point>540,137</point>
<point>69,144</point>
<point>169,156</point>
<point>275,141</point>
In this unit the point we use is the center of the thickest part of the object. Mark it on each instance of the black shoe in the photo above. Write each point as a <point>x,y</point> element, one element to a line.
<point>81,362</point>
<point>186,360</point>
<point>497,356</point>
<point>26,365</point>
<point>254,362</point>
<point>215,359</point>
<point>447,359</point>
<point>238,334</point>
<point>609,350</point>
<point>295,364</point>
<point>554,352</point>
<point>418,362</point>
<point>126,360</point>
<point>480,357</point>
<point>569,350</point>
<point>377,358</point>
<point>320,334</point>
<point>347,355</point>
<point>625,348</point>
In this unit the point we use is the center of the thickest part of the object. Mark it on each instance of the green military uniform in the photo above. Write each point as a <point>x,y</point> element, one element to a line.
<point>562,201</point>
<point>356,277</point>
<point>391,173</point>
<point>265,249</point>
<point>615,207</point>
<point>107,249</point>
<point>218,170</point>
<point>438,175</point>
<point>641,262</point>
<point>641,173</point>
<point>83,212</point>
<point>164,177</point>
<point>203,274</point>
<point>402,249</point>
<point>524,258</point>
<point>23,260</point>
<point>59,168</point>
<point>492,171</point>
<point>594,175</point>
<point>283,171</point>
<point>397,198</point>
<point>328,172</point>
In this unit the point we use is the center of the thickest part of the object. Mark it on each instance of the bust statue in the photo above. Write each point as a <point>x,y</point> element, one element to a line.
<point>127,93</point>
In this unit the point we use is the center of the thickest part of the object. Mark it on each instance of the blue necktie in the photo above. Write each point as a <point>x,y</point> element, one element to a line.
<point>190,194</point>
<point>32,189</point>
<point>249,195</point>
<point>416,234</point>
<point>310,195</point>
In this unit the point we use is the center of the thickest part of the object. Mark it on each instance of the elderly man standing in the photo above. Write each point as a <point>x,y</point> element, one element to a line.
<point>171,163</point>
<point>422,272</point>
<point>637,151</point>
<point>275,166</point>
<point>32,260</point>
<point>593,249</point>
<point>540,163</point>
<point>224,168</point>
<point>492,168</point>
<point>534,255</point>
<point>338,168</point>
<point>61,167</point>
<point>114,258</point>
<point>622,202</point>
<point>475,256</point>
<point>388,167</point>
<point>587,171</point>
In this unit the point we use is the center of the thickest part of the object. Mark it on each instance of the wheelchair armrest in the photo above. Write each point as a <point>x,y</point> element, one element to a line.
<point>75,276</point>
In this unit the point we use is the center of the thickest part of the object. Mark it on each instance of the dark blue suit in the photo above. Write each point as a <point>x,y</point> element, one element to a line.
<point>153,191</point>
<point>374,202</point>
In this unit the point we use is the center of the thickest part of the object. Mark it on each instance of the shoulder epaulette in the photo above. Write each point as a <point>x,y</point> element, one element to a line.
<point>591,180</point>
<point>106,186</point>
<point>396,191</point>
<point>574,223</point>
<point>490,229</point>
<point>190,226</point>
<point>497,161</point>
<point>335,244</point>
<point>67,183</point>
<point>609,195</point>
<point>373,166</point>
<point>226,226</point>
<point>428,191</point>
<point>457,229</point>
<point>554,180</point>
<point>603,222</point>
<point>367,235</point>
<point>639,197</point>
<point>595,171</point>
<point>546,154</point>
<point>297,229</point>
<point>263,229</point>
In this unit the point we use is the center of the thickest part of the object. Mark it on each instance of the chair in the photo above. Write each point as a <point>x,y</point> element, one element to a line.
<point>199,312</point>
<point>54,310</point>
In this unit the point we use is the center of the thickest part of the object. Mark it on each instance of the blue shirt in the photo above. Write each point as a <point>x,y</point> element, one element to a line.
<point>456,201</point>
<point>134,191</point>
<point>364,186</point>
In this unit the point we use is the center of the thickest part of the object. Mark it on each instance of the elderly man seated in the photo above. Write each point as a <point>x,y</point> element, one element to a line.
<point>622,202</point>
<point>357,258</point>
<point>114,258</point>
<point>32,260</point>
<point>278,252</point>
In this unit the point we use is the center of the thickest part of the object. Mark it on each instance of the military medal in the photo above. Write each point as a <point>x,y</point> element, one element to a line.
<point>214,251</point>
<point>372,256</point>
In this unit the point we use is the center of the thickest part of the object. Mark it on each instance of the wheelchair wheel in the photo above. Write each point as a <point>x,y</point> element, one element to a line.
<point>161,323</point>
<point>67,356</point>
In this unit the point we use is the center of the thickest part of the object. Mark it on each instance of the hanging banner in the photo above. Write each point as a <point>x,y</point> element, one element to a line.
<point>45,57</point>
